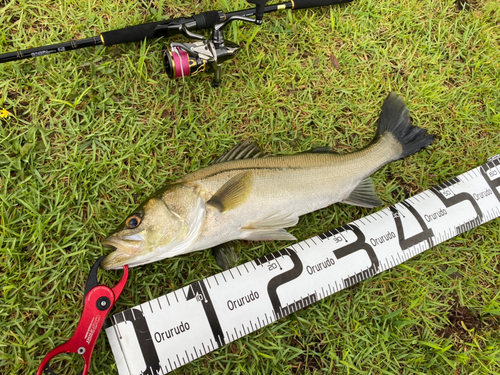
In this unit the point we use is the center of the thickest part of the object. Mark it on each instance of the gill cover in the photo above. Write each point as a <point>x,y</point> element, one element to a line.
<point>168,224</point>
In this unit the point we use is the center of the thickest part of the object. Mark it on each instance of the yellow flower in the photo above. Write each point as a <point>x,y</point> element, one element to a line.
<point>4,113</point>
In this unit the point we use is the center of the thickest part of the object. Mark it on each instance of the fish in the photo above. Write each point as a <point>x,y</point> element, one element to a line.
<point>246,195</point>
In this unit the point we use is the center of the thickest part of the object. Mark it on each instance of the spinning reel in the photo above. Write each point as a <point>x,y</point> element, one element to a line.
<point>206,55</point>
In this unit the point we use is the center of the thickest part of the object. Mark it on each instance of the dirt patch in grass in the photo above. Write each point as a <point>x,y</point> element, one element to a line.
<point>310,362</point>
<point>466,4</point>
<point>463,320</point>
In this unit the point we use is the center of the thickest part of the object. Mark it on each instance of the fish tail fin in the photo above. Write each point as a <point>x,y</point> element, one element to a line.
<point>395,119</point>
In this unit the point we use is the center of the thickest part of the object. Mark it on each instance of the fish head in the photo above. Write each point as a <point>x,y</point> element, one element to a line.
<point>163,226</point>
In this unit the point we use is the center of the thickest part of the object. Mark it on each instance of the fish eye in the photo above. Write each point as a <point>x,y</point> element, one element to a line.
<point>133,221</point>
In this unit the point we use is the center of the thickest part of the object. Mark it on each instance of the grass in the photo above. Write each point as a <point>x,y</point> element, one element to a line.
<point>91,133</point>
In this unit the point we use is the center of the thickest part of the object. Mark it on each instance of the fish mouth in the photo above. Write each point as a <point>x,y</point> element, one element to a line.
<point>125,249</point>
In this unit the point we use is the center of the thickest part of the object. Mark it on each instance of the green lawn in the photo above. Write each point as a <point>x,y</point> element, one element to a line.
<point>91,133</point>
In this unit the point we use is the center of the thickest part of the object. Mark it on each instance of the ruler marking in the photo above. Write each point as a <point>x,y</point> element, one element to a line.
<point>117,328</point>
<point>215,278</point>
<point>237,269</point>
<point>236,333</point>
<point>300,246</point>
<point>224,277</point>
<point>231,273</point>
<point>140,306</point>
<point>203,346</point>
<point>171,367</point>
<point>312,240</point>
<point>149,302</point>
<point>246,268</point>
<point>166,297</point>
<point>279,265</point>
<point>175,295</point>
<point>159,303</point>
<point>133,315</point>
<point>208,282</point>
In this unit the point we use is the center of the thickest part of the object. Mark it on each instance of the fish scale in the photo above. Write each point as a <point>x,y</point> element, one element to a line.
<point>163,334</point>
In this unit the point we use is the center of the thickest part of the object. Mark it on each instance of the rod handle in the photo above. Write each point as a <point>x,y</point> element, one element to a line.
<point>138,33</point>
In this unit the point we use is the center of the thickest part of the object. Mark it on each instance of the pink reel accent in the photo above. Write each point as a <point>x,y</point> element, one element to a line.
<point>181,62</point>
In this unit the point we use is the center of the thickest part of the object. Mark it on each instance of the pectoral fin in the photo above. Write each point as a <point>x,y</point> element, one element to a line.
<point>270,228</point>
<point>364,195</point>
<point>233,193</point>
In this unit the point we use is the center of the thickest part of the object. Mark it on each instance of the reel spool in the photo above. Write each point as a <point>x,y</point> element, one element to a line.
<point>178,64</point>
<point>189,59</point>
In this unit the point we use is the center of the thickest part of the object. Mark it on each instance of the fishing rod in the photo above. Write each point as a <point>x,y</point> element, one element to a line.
<point>183,59</point>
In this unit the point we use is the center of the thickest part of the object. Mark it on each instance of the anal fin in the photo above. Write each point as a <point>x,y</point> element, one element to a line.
<point>364,195</point>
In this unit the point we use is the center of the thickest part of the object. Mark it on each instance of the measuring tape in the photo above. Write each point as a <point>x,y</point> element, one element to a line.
<point>163,334</point>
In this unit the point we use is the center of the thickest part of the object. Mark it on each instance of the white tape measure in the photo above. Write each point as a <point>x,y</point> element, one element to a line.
<point>161,335</point>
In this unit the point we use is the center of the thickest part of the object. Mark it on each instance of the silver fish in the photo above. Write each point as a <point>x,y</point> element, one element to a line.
<point>243,196</point>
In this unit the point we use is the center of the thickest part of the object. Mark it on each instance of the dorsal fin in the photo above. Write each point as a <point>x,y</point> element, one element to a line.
<point>243,150</point>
